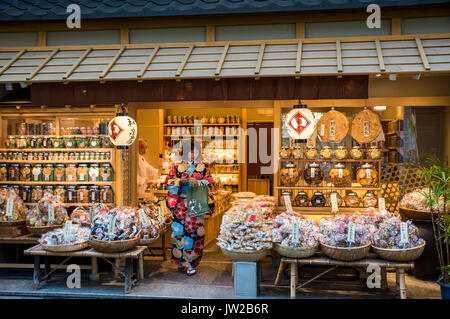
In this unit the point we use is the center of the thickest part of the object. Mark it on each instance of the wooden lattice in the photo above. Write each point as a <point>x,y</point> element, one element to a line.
<point>397,180</point>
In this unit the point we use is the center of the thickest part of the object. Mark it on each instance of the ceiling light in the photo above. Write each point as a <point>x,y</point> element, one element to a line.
<point>378,75</point>
<point>379,108</point>
<point>416,76</point>
<point>392,77</point>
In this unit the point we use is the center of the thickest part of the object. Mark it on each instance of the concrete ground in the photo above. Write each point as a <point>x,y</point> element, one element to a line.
<point>213,280</point>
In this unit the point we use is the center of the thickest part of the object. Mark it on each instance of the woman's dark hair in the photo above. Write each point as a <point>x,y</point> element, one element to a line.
<point>191,145</point>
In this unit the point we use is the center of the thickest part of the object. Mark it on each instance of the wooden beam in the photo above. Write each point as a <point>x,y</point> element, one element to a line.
<point>423,56</point>
<point>380,55</point>
<point>300,30</point>
<point>124,36</point>
<point>210,33</point>
<point>298,61</point>
<point>396,28</point>
<point>149,60</point>
<point>338,55</point>
<point>52,54</point>
<point>110,65</point>
<point>262,47</point>
<point>185,59</point>
<point>42,38</point>
<point>85,54</point>
<point>16,57</point>
<point>222,59</point>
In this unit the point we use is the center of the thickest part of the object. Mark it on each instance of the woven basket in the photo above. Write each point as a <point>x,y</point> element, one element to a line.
<point>148,241</point>
<point>115,246</point>
<point>300,252</point>
<point>405,255</point>
<point>244,254</point>
<point>345,254</point>
<point>66,248</point>
<point>12,223</point>
<point>414,214</point>
<point>41,230</point>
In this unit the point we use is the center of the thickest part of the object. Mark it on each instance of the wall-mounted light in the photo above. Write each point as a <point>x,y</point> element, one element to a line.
<point>378,75</point>
<point>379,108</point>
<point>416,76</point>
<point>392,77</point>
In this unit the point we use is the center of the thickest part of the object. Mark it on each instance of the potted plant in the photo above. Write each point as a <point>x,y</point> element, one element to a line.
<point>437,177</point>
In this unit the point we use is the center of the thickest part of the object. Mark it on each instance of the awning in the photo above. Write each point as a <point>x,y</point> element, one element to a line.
<point>227,60</point>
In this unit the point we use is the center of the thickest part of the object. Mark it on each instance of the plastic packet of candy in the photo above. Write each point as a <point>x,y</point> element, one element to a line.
<point>389,234</point>
<point>80,216</point>
<point>119,223</point>
<point>12,207</point>
<point>78,234</point>
<point>307,232</point>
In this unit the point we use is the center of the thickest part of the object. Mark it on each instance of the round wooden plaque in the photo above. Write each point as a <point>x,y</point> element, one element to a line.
<point>332,126</point>
<point>366,126</point>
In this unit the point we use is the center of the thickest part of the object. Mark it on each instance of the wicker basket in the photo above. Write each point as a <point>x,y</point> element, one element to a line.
<point>115,246</point>
<point>408,254</point>
<point>245,255</point>
<point>148,241</point>
<point>66,248</point>
<point>345,254</point>
<point>12,223</point>
<point>41,230</point>
<point>414,214</point>
<point>301,252</point>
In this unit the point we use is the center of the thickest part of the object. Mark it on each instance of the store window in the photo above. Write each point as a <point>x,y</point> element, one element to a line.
<point>168,35</point>
<point>345,29</point>
<point>83,37</point>
<point>426,25</point>
<point>18,39</point>
<point>255,32</point>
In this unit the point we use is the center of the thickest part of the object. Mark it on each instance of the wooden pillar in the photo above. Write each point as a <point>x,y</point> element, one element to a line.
<point>133,161</point>
<point>300,30</point>
<point>161,129</point>
<point>396,27</point>
<point>124,36</point>
<point>243,150</point>
<point>42,38</point>
<point>210,33</point>
<point>276,144</point>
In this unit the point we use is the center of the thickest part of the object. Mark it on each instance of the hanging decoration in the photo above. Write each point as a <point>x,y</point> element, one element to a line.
<point>300,123</point>
<point>122,130</point>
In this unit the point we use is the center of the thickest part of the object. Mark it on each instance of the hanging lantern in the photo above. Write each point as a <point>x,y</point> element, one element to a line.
<point>300,123</point>
<point>122,130</point>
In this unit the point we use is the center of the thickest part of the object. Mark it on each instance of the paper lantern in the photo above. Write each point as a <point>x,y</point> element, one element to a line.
<point>300,122</point>
<point>122,130</point>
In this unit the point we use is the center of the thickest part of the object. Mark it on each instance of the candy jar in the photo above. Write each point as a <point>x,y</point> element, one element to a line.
<point>297,152</point>
<point>341,153</point>
<point>366,175</point>
<point>326,152</point>
<point>356,153</point>
<point>352,200</point>
<point>338,198</point>
<point>318,200</point>
<point>285,152</point>
<point>369,200</point>
<point>313,174</point>
<point>283,194</point>
<point>301,200</point>
<point>339,175</point>
<point>289,175</point>
<point>374,153</point>
<point>311,152</point>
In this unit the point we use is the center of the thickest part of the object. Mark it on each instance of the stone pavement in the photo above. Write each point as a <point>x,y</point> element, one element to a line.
<point>213,280</point>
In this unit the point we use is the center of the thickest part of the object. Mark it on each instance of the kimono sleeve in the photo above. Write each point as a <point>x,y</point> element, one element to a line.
<point>173,187</point>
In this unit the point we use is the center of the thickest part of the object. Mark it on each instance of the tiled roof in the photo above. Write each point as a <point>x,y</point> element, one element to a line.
<point>11,10</point>
<point>231,60</point>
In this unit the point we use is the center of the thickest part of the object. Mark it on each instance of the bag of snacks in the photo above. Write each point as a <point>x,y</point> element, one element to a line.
<point>149,219</point>
<point>388,234</point>
<point>79,234</point>
<point>12,207</point>
<point>283,228</point>
<point>119,223</point>
<point>80,216</point>
<point>48,211</point>
<point>416,200</point>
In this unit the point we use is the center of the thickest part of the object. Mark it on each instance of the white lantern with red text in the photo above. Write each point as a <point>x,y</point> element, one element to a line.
<point>300,122</point>
<point>122,130</point>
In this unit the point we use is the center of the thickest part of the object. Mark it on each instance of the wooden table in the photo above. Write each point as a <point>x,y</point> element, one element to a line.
<point>20,240</point>
<point>132,258</point>
<point>321,260</point>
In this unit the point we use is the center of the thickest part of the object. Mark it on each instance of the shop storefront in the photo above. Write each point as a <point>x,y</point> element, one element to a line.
<point>379,105</point>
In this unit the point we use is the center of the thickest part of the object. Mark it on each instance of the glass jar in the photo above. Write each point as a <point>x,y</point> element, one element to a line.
<point>285,193</point>
<point>48,173</point>
<point>301,200</point>
<point>94,142</point>
<point>58,142</point>
<point>82,142</point>
<point>71,142</point>
<point>326,152</point>
<point>25,193</point>
<point>36,193</point>
<point>285,153</point>
<point>60,173</point>
<point>94,194</point>
<point>83,194</point>
<point>352,200</point>
<point>369,200</point>
<point>94,173</point>
<point>35,142</point>
<point>339,175</point>
<point>47,142</point>
<point>60,193</point>
<point>297,152</point>
<point>313,174</point>
<point>106,142</point>
<point>36,173</point>
<point>82,173</point>
<point>356,153</point>
<point>71,194</point>
<point>3,172</point>
<point>289,175</point>
<point>341,153</point>
<point>374,153</point>
<point>22,142</point>
<point>25,173</point>
<point>16,189</point>
<point>71,173</point>
<point>106,194</point>
<point>311,152</point>
<point>11,142</point>
<point>318,200</point>
<point>13,172</point>
<point>338,198</point>
<point>49,189</point>
<point>366,175</point>
<point>106,173</point>
<point>107,155</point>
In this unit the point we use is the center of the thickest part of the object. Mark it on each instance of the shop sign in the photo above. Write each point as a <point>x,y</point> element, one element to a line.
<point>300,123</point>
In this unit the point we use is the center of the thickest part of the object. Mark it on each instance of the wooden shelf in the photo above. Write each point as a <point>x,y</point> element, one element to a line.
<point>330,160</point>
<point>56,149</point>
<point>56,162</point>
<point>226,124</point>
<point>392,133</point>
<point>190,136</point>
<point>55,183</point>
<point>326,210</point>
<point>356,188</point>
<point>73,135</point>
<point>76,204</point>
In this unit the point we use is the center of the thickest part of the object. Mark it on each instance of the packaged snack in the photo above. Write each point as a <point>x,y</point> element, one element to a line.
<point>12,207</point>
<point>80,216</point>
<point>49,211</point>
<point>416,200</point>
<point>149,219</point>
<point>388,234</point>
<point>283,228</point>
<point>79,234</point>
<point>124,224</point>
<point>334,230</point>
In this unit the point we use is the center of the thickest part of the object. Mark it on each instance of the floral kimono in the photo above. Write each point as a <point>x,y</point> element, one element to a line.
<point>188,233</point>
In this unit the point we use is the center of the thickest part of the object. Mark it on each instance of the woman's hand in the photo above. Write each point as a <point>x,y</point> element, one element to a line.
<point>184,180</point>
<point>194,182</point>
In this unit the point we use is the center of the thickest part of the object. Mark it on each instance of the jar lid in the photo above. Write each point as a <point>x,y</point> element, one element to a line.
<point>366,165</point>
<point>3,164</point>
<point>48,165</point>
<point>369,194</point>
<point>37,165</point>
<point>341,147</point>
<point>339,165</point>
<point>286,193</point>
<point>48,187</point>
<point>27,186</point>
<point>314,165</point>
<point>71,187</point>
<point>352,194</point>
<point>60,186</point>
<point>106,164</point>
<point>318,194</point>
<point>106,186</point>
<point>302,193</point>
<point>326,146</point>
<point>34,136</point>
<point>94,165</point>
<point>290,165</point>
<point>15,165</point>
<point>356,147</point>
<point>82,187</point>
<point>310,147</point>
<point>94,136</point>
<point>3,186</point>
<point>26,165</point>
<point>94,187</point>
<point>83,165</point>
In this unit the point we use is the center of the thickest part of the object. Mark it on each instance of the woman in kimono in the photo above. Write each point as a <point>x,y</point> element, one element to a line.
<point>188,233</point>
